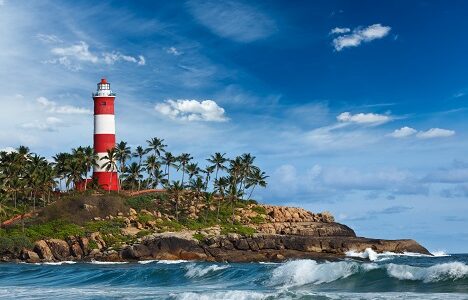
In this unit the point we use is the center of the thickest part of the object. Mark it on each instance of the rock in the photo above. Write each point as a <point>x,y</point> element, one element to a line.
<point>75,247</point>
<point>94,253</point>
<point>136,251</point>
<point>59,248</point>
<point>96,236</point>
<point>30,256</point>
<point>132,212</point>
<point>43,250</point>
<point>84,244</point>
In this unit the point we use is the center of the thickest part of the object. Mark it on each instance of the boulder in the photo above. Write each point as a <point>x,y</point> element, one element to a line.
<point>30,256</point>
<point>75,247</point>
<point>59,249</point>
<point>43,250</point>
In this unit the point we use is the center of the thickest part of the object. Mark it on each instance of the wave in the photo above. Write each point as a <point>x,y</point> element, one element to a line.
<point>170,262</point>
<point>194,270</point>
<point>303,272</point>
<point>439,272</point>
<point>374,256</point>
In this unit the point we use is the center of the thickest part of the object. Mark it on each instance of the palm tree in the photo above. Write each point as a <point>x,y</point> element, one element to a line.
<point>140,152</point>
<point>220,186</point>
<point>184,159</point>
<point>134,174</point>
<point>254,179</point>
<point>175,192</point>
<point>169,160</point>
<point>122,152</point>
<point>208,171</point>
<point>152,165</point>
<point>218,160</point>
<point>156,145</point>
<point>60,161</point>
<point>192,170</point>
<point>110,164</point>
<point>90,160</point>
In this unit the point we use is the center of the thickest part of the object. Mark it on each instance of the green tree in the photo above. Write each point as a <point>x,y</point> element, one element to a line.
<point>110,164</point>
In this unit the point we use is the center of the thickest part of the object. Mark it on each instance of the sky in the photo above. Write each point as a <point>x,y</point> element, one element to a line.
<point>349,107</point>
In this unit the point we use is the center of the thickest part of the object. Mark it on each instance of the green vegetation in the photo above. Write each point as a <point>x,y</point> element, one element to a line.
<point>240,229</point>
<point>259,210</point>
<point>198,236</point>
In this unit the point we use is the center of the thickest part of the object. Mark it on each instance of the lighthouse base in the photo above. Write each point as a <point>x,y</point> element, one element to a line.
<point>108,181</point>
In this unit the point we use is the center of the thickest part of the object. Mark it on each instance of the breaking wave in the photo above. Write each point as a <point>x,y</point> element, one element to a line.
<point>374,256</point>
<point>194,270</point>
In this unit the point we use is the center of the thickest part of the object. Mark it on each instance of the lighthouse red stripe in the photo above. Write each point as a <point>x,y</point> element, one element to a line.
<point>104,105</point>
<point>103,142</point>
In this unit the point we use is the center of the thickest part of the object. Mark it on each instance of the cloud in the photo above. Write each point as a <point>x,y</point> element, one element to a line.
<point>79,51</point>
<point>435,133</point>
<point>338,30</point>
<point>403,132</point>
<point>192,110</point>
<point>230,19</point>
<point>53,107</point>
<point>173,51</point>
<point>363,118</point>
<point>71,56</point>
<point>360,35</point>
<point>392,210</point>
<point>48,38</point>
<point>110,58</point>
<point>50,124</point>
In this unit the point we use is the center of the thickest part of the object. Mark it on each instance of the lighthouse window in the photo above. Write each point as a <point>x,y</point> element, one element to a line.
<point>103,103</point>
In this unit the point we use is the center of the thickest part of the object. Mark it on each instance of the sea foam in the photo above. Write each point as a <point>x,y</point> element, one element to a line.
<point>194,270</point>
<point>374,256</point>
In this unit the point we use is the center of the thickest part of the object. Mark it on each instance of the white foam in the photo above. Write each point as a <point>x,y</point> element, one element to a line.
<point>194,270</point>
<point>170,262</point>
<point>374,256</point>
<point>57,263</point>
<point>439,272</point>
<point>144,262</point>
<point>300,272</point>
<point>229,295</point>
<point>97,262</point>
<point>440,253</point>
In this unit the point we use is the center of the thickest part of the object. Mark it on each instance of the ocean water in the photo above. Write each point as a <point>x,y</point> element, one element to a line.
<point>385,276</point>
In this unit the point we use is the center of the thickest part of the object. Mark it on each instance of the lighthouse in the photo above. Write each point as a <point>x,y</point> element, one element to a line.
<point>104,135</point>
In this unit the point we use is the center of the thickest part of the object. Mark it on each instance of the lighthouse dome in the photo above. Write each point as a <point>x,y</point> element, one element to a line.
<point>103,89</point>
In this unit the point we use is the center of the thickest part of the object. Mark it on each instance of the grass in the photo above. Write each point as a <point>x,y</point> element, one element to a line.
<point>198,236</point>
<point>259,210</point>
<point>239,229</point>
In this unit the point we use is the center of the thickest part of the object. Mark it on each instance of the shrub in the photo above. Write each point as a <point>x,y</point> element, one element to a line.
<point>198,236</point>
<point>233,228</point>
<point>143,233</point>
<point>257,220</point>
<point>14,244</point>
<point>145,218</point>
<point>148,201</point>
<point>105,226</point>
<point>259,210</point>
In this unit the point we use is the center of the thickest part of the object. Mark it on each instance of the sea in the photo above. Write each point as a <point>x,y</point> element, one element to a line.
<point>365,275</point>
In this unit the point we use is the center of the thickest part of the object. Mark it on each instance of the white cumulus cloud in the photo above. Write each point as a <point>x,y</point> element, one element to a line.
<point>435,133</point>
<point>79,51</point>
<point>359,35</point>
<point>363,118</point>
<point>403,132</point>
<point>192,110</point>
<point>173,51</point>
<point>50,124</point>
<point>53,107</point>
<point>110,58</point>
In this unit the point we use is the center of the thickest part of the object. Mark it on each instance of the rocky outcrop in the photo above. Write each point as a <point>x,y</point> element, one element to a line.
<point>260,247</point>
<point>43,250</point>
<point>306,228</point>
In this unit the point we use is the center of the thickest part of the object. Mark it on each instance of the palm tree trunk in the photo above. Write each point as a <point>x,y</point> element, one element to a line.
<point>251,191</point>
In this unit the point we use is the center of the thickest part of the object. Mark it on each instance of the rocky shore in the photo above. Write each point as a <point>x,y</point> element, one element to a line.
<point>285,233</point>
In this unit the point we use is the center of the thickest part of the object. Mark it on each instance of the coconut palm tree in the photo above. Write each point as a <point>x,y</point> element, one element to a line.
<point>218,160</point>
<point>220,186</point>
<point>90,160</point>
<point>151,166</point>
<point>184,159</point>
<point>134,174</point>
<point>255,178</point>
<point>157,146</point>
<point>110,164</point>
<point>175,192</point>
<point>140,152</point>
<point>169,160</point>
<point>122,152</point>
<point>192,170</point>
<point>208,171</point>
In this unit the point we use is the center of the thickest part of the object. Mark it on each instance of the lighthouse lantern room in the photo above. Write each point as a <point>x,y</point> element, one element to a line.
<point>104,135</point>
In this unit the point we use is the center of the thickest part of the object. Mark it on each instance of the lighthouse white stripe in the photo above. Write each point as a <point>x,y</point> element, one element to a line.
<point>101,163</point>
<point>104,124</point>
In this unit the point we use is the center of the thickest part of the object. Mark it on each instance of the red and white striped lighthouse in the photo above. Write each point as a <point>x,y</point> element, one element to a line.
<point>104,134</point>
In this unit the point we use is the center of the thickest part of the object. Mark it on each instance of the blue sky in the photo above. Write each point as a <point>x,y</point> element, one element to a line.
<point>355,108</point>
